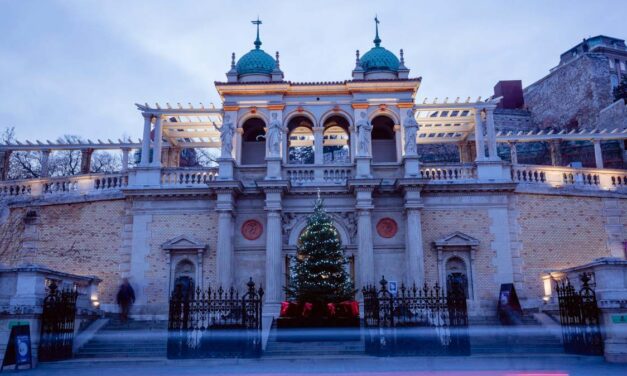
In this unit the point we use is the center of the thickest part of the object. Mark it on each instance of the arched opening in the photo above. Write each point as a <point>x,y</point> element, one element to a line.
<point>253,141</point>
<point>336,141</point>
<point>383,139</point>
<point>300,147</point>
<point>184,278</point>
<point>456,274</point>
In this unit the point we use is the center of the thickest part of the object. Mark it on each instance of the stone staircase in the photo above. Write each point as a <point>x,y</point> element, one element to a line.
<point>296,347</point>
<point>488,336</point>
<point>133,339</point>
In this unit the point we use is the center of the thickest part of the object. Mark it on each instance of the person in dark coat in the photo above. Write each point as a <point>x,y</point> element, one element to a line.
<point>125,299</point>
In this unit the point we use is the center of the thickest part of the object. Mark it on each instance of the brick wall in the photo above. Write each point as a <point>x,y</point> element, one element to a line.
<point>558,232</point>
<point>201,227</point>
<point>438,223</point>
<point>81,238</point>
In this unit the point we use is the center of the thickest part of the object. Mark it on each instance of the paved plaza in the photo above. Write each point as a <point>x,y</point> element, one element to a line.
<point>353,366</point>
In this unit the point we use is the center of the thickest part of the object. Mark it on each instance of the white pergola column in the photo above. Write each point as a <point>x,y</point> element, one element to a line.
<point>5,159</point>
<point>598,155</point>
<point>556,156</point>
<point>145,154</point>
<point>86,160</point>
<point>513,153</point>
<point>45,168</point>
<point>364,235</point>
<point>125,153</point>
<point>479,140</point>
<point>274,248</point>
<point>158,145</point>
<point>318,133</point>
<point>224,253</point>
<point>491,133</point>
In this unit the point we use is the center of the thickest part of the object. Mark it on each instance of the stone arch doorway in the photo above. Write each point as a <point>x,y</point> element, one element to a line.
<point>253,142</point>
<point>456,274</point>
<point>184,277</point>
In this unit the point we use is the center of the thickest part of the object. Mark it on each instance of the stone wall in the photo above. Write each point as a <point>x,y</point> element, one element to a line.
<point>514,120</point>
<point>571,96</point>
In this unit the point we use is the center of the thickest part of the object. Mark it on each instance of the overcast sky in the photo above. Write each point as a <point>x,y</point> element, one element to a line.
<point>77,67</point>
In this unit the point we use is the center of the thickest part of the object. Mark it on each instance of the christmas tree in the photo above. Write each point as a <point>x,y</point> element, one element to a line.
<point>318,275</point>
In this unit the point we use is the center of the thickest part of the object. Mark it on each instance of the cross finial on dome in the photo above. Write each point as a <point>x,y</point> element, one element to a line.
<point>257,41</point>
<point>377,40</point>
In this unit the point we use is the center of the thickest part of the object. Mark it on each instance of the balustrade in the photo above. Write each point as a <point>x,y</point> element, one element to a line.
<point>448,172</point>
<point>582,178</point>
<point>188,177</point>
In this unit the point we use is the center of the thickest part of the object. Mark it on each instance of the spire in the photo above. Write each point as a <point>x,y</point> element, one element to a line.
<point>257,41</point>
<point>233,60</point>
<point>277,59</point>
<point>377,40</point>
<point>402,57</point>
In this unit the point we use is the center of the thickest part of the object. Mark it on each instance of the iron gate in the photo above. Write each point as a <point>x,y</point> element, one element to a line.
<point>415,321</point>
<point>215,323</point>
<point>579,317</point>
<point>57,324</point>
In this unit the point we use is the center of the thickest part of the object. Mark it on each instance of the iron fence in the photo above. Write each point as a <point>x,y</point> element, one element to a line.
<point>57,324</point>
<point>579,317</point>
<point>215,323</point>
<point>416,321</point>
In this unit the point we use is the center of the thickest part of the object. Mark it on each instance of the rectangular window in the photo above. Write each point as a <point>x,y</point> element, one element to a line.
<point>611,63</point>
<point>622,65</point>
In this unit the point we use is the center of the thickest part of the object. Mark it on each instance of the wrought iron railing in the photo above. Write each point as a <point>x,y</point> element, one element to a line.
<point>57,324</point>
<point>579,317</point>
<point>415,321</point>
<point>215,323</point>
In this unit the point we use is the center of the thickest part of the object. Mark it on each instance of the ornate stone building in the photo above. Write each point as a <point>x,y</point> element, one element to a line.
<point>481,219</point>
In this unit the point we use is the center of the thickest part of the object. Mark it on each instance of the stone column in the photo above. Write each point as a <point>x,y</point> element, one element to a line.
<point>45,168</point>
<point>125,153</point>
<point>364,235</point>
<point>513,153</point>
<point>86,160</point>
<point>274,248</point>
<point>465,154</point>
<point>398,137</point>
<point>479,141</point>
<point>556,153</point>
<point>491,133</point>
<point>224,253</point>
<point>5,159</point>
<point>145,154</point>
<point>414,251</point>
<point>598,155</point>
<point>158,143</point>
<point>318,133</point>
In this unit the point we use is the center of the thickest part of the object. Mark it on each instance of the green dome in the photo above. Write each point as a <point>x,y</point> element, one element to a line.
<point>255,61</point>
<point>378,58</point>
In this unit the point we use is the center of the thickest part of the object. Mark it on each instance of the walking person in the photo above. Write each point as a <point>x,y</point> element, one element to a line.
<point>125,299</point>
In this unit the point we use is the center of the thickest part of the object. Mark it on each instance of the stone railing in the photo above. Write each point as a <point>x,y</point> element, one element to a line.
<point>188,177</point>
<point>79,184</point>
<point>307,175</point>
<point>558,176</point>
<point>448,172</point>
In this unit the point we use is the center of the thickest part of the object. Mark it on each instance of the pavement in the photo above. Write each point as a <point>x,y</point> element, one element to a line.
<point>351,366</point>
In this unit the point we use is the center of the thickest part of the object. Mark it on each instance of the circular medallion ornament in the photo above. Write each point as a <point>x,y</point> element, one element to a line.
<point>252,229</point>
<point>387,227</point>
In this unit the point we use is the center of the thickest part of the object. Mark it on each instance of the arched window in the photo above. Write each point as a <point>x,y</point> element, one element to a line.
<point>336,142</point>
<point>253,141</point>
<point>300,148</point>
<point>383,139</point>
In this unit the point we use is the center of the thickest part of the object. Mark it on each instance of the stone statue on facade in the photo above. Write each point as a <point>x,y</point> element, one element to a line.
<point>411,127</point>
<point>274,136</point>
<point>364,130</point>
<point>226,136</point>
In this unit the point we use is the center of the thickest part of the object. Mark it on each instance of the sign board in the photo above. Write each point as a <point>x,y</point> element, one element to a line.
<point>18,350</point>
<point>393,287</point>
<point>619,319</point>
